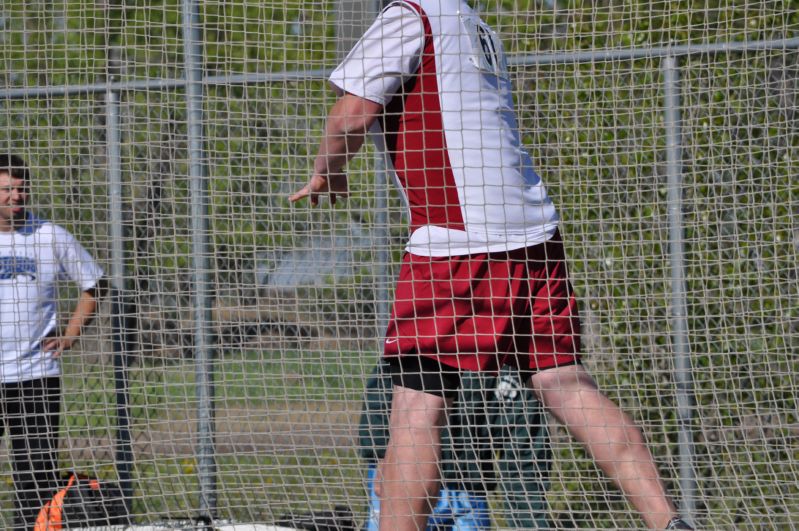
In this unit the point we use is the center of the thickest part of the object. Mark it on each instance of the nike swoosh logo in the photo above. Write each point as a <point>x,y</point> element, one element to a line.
<point>391,341</point>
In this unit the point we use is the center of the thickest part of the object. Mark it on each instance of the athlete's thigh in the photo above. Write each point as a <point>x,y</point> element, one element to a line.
<point>414,409</point>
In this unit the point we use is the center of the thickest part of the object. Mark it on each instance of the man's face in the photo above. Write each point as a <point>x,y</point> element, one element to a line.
<point>13,197</point>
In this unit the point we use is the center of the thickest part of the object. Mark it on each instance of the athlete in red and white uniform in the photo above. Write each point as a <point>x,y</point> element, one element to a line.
<point>484,277</point>
<point>450,129</point>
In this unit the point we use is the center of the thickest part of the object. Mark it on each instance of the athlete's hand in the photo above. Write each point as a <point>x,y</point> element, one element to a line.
<point>334,185</point>
<point>57,345</point>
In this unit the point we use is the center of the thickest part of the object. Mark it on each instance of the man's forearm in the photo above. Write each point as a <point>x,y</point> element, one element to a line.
<point>345,130</point>
<point>335,150</point>
<point>82,315</point>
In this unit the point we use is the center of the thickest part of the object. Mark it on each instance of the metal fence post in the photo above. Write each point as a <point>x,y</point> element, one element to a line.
<point>198,185</point>
<point>382,238</point>
<point>680,344</point>
<point>119,313</point>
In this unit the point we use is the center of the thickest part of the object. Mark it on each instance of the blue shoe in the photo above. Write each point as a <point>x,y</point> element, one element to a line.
<point>459,510</point>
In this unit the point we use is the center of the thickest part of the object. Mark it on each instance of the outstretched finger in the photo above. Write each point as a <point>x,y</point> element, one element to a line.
<point>300,194</point>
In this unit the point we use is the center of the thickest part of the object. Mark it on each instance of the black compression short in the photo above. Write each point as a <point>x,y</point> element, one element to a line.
<point>424,374</point>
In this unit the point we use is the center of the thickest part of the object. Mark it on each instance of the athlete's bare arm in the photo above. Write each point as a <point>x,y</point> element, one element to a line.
<point>347,123</point>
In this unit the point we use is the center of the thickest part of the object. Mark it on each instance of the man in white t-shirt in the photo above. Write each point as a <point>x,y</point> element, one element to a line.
<point>484,279</point>
<point>34,255</point>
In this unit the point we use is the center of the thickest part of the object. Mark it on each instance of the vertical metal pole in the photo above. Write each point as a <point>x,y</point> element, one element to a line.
<point>124,452</point>
<point>682,362</point>
<point>198,186</point>
<point>382,241</point>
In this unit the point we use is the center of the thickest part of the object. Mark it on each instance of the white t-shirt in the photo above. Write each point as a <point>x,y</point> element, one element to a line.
<point>32,260</point>
<point>449,129</point>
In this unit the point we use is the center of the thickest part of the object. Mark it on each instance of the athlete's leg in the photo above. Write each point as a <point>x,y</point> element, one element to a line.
<point>410,472</point>
<point>455,510</point>
<point>609,435</point>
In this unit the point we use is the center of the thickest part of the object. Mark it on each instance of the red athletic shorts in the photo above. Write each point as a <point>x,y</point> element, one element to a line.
<point>480,311</point>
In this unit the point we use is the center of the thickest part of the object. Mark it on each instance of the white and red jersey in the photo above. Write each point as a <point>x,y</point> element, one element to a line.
<point>449,129</point>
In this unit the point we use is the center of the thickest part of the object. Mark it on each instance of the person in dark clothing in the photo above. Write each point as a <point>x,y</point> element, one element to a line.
<point>496,438</point>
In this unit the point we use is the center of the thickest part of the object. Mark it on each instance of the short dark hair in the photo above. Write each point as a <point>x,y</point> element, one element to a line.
<point>15,167</point>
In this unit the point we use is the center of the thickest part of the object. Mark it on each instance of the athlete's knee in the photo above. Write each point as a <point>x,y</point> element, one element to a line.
<point>561,380</point>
